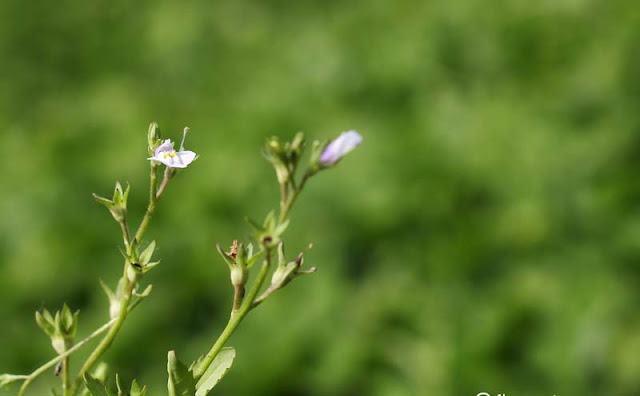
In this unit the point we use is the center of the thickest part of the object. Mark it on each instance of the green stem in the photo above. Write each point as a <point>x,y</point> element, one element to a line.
<point>128,287</point>
<point>66,384</point>
<point>235,319</point>
<point>287,203</point>
<point>125,235</point>
<point>153,198</point>
<point>108,338</point>
<point>163,185</point>
<point>29,378</point>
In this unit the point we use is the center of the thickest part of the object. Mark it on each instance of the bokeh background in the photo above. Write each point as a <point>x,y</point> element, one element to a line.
<point>485,237</point>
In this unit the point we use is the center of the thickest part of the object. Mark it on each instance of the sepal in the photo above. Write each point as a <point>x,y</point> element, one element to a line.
<point>118,204</point>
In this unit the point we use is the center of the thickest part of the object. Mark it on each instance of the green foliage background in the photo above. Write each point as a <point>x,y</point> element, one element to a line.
<point>485,237</point>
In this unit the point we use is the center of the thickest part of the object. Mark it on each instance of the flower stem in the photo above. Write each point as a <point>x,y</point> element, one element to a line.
<point>127,285</point>
<point>66,383</point>
<point>287,202</point>
<point>153,198</point>
<point>235,319</point>
<point>163,185</point>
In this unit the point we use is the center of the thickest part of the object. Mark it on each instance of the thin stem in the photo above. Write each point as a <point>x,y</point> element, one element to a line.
<point>285,205</point>
<point>235,319</point>
<point>283,195</point>
<point>29,378</point>
<point>153,198</point>
<point>264,295</point>
<point>108,338</point>
<point>238,294</point>
<point>125,234</point>
<point>163,185</point>
<point>66,383</point>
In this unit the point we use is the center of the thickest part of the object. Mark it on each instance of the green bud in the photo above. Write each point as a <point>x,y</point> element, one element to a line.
<point>296,149</point>
<point>153,137</point>
<point>115,298</point>
<point>101,371</point>
<point>61,329</point>
<point>277,155</point>
<point>285,272</point>
<point>239,276</point>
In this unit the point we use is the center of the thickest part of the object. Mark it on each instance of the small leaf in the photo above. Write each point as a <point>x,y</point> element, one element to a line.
<point>48,317</point>
<point>102,200</point>
<point>281,228</point>
<point>44,324</point>
<point>224,256</point>
<point>218,368</point>
<point>74,324</point>
<point>66,317</point>
<point>181,382</point>
<point>150,266</point>
<point>107,291</point>
<point>270,221</point>
<point>136,390</point>
<point>146,254</point>
<point>196,363</point>
<point>94,386</point>
<point>254,224</point>
<point>145,293</point>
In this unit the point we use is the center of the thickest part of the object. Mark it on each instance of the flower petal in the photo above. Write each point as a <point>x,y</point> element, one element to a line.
<point>341,146</point>
<point>166,146</point>
<point>184,158</point>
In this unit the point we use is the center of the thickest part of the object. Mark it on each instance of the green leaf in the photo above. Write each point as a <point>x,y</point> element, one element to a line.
<point>67,317</point>
<point>146,254</point>
<point>150,266</point>
<point>44,324</point>
<point>181,382</point>
<point>95,387</point>
<point>136,390</point>
<point>279,230</point>
<point>144,293</point>
<point>218,368</point>
<point>102,200</point>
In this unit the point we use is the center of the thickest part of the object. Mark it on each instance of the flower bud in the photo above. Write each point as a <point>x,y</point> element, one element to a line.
<point>61,329</point>
<point>239,275</point>
<point>153,137</point>
<point>338,148</point>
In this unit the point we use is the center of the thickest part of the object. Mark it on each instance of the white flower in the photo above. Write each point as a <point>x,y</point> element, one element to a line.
<point>341,146</point>
<point>166,154</point>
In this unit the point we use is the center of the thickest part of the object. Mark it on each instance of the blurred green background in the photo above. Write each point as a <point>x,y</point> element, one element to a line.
<point>485,236</point>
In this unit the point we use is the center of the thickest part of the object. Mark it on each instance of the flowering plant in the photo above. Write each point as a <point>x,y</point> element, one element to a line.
<point>268,256</point>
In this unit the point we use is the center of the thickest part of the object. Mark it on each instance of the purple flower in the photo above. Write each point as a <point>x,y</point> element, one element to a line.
<point>340,147</point>
<point>166,154</point>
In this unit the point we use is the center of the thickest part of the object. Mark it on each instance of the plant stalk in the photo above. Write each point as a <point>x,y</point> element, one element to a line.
<point>235,319</point>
